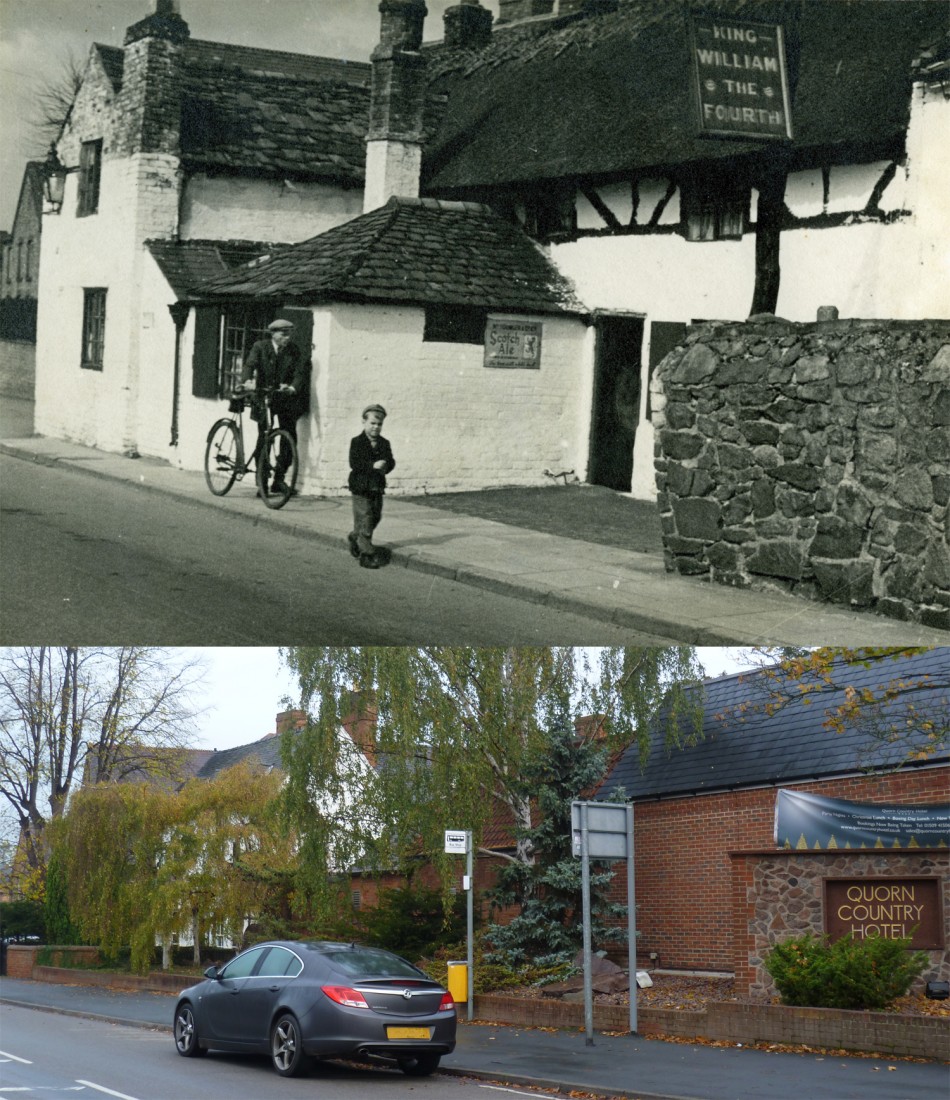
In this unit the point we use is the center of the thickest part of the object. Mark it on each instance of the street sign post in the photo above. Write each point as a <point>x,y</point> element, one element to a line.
<point>604,830</point>
<point>459,842</point>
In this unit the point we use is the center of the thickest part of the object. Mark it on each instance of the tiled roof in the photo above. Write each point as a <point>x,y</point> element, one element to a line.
<point>266,752</point>
<point>610,94</point>
<point>412,251</point>
<point>269,112</point>
<point>186,264</point>
<point>745,743</point>
<point>274,113</point>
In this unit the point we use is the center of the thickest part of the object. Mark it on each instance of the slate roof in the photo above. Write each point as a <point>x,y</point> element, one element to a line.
<point>187,264</point>
<point>266,752</point>
<point>412,251</point>
<point>269,112</point>
<point>754,747</point>
<point>609,95</point>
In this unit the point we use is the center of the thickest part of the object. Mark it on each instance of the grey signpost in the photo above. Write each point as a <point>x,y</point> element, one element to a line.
<point>604,830</point>
<point>459,840</point>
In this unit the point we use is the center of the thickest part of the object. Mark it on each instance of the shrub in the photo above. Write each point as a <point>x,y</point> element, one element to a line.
<point>413,922</point>
<point>849,973</point>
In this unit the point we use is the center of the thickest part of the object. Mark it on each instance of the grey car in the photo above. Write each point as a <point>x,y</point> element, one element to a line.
<point>296,1001</point>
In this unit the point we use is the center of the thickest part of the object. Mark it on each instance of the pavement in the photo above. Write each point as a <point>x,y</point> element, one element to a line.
<point>577,548</point>
<point>613,1066</point>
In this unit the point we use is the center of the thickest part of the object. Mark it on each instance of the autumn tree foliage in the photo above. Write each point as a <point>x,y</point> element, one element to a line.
<point>69,712</point>
<point>900,705</point>
<point>145,862</point>
<point>456,731</point>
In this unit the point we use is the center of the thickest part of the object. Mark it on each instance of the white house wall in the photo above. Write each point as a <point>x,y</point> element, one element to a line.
<point>454,424</point>
<point>228,208</point>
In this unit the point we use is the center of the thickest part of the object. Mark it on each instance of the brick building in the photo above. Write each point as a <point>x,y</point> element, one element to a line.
<point>706,834</point>
<point>578,125</point>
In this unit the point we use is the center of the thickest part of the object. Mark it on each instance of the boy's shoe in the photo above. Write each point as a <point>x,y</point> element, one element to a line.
<point>280,486</point>
<point>369,561</point>
<point>354,547</point>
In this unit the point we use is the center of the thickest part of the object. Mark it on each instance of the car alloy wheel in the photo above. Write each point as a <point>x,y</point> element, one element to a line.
<point>286,1048</point>
<point>186,1034</point>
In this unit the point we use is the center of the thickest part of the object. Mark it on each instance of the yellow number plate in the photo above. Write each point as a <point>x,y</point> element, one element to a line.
<point>408,1033</point>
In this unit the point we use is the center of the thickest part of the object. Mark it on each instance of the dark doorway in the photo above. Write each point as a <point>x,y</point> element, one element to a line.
<point>616,410</point>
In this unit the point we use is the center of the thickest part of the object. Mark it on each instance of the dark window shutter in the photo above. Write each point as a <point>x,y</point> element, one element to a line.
<point>204,365</point>
<point>303,337</point>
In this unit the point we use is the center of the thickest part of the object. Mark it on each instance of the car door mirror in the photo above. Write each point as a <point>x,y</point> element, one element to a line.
<point>212,973</point>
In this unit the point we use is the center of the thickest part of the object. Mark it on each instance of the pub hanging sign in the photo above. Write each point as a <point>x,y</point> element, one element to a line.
<point>740,78</point>
<point>512,342</point>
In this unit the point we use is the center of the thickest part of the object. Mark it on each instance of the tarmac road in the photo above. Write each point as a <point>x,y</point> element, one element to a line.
<point>615,1066</point>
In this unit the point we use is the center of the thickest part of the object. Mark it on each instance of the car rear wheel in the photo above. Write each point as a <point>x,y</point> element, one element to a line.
<point>186,1034</point>
<point>286,1048</point>
<point>419,1066</point>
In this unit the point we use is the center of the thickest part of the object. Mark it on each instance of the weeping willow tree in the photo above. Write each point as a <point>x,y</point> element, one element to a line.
<point>144,862</point>
<point>452,732</point>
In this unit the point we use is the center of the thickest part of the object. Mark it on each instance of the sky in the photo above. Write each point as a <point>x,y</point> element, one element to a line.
<point>245,687</point>
<point>37,37</point>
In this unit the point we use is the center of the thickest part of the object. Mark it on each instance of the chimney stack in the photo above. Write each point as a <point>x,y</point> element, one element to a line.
<point>149,103</point>
<point>394,139</point>
<point>467,26</point>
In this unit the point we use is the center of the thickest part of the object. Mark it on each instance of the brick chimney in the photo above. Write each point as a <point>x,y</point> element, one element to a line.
<point>149,105</point>
<point>394,139</point>
<point>289,720</point>
<point>467,26</point>
<point>360,723</point>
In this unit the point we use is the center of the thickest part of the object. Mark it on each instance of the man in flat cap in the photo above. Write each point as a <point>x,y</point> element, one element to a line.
<point>371,459</point>
<point>276,364</point>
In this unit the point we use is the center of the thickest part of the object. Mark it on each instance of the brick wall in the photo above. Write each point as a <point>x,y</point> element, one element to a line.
<point>21,958</point>
<point>915,1037</point>
<point>684,873</point>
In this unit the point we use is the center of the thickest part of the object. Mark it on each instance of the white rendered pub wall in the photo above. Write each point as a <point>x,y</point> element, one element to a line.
<point>454,424</point>
<point>96,408</point>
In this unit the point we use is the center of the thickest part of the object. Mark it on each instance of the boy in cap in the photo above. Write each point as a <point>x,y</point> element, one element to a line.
<point>371,459</point>
<point>276,364</point>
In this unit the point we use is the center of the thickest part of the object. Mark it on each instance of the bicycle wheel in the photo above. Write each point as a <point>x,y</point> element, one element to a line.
<point>223,457</point>
<point>278,453</point>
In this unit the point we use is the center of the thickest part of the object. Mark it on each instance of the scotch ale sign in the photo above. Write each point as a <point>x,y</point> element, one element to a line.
<point>886,908</point>
<point>740,78</point>
<point>511,342</point>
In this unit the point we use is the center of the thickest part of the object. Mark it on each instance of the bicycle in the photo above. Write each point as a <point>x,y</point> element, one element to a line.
<point>225,460</point>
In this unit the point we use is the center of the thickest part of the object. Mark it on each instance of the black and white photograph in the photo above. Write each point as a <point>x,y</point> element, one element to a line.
<point>574,321</point>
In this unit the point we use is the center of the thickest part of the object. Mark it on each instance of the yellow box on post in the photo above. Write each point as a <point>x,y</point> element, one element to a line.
<point>458,981</point>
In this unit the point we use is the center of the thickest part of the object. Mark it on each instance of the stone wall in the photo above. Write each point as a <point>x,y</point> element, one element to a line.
<point>810,458</point>
<point>779,895</point>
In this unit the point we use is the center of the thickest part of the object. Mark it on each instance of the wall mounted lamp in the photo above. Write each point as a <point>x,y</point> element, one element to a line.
<point>54,179</point>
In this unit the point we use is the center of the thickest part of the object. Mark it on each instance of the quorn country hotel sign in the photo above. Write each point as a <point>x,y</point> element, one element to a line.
<point>740,79</point>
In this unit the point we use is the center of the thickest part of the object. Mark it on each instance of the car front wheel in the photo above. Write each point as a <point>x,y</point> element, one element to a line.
<point>286,1048</point>
<point>186,1034</point>
<point>420,1066</point>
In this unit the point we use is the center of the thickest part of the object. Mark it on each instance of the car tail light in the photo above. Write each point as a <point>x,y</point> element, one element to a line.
<point>344,995</point>
<point>447,1004</point>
